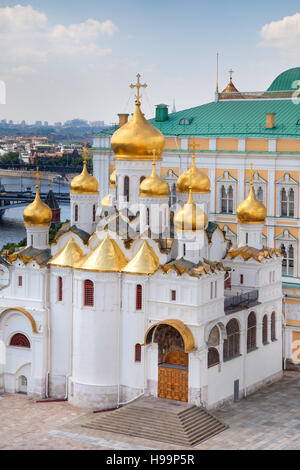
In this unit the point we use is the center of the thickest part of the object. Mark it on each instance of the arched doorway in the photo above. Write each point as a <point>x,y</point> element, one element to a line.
<point>22,384</point>
<point>174,342</point>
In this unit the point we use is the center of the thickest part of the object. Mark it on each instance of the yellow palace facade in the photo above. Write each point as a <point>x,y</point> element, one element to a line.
<point>227,135</point>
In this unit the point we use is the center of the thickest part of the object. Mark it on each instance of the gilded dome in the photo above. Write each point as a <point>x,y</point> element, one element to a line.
<point>37,213</point>
<point>106,201</point>
<point>137,139</point>
<point>195,179</point>
<point>154,186</point>
<point>113,179</point>
<point>190,217</point>
<point>251,211</point>
<point>84,183</point>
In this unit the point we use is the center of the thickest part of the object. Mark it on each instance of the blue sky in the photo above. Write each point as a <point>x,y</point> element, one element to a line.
<point>75,58</point>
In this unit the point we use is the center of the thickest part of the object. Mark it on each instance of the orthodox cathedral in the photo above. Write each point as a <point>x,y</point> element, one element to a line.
<point>136,298</point>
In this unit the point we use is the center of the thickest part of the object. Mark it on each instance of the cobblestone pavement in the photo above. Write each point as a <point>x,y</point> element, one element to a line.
<point>268,419</point>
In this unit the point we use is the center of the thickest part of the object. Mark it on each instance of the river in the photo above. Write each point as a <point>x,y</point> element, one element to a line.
<point>11,224</point>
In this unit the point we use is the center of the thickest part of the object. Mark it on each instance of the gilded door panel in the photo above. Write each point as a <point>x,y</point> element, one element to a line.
<point>173,383</point>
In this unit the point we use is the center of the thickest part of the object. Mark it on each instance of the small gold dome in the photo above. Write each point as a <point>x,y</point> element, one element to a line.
<point>106,201</point>
<point>113,179</point>
<point>84,183</point>
<point>195,179</point>
<point>154,186</point>
<point>37,213</point>
<point>137,139</point>
<point>190,217</point>
<point>251,211</point>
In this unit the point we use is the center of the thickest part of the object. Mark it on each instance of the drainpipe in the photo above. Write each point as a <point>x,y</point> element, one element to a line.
<point>71,346</point>
<point>47,278</point>
<point>283,332</point>
<point>119,338</point>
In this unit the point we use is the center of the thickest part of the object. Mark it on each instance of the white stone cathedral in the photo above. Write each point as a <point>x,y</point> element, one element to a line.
<point>134,300</point>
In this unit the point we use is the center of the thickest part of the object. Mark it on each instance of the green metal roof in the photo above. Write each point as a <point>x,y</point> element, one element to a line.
<point>235,118</point>
<point>286,80</point>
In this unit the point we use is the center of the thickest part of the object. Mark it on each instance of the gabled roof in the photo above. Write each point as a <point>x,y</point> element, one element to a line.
<point>81,233</point>
<point>181,266</point>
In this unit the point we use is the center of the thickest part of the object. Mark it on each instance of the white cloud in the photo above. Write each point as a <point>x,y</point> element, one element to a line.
<point>25,33</point>
<point>283,35</point>
<point>22,70</point>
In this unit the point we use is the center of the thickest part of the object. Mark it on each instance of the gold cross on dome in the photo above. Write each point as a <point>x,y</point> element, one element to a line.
<point>230,73</point>
<point>251,174</point>
<point>138,86</point>
<point>37,176</point>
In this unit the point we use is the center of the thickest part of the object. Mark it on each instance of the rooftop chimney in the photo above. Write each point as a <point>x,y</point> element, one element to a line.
<point>123,119</point>
<point>270,120</point>
<point>161,113</point>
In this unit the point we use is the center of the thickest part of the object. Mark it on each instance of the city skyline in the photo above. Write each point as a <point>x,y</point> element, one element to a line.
<point>59,62</point>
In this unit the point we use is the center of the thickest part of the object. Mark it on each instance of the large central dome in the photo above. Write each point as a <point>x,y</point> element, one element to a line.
<point>137,139</point>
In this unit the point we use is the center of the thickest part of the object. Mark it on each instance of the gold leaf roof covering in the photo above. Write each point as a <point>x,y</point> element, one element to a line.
<point>113,179</point>
<point>154,186</point>
<point>107,257</point>
<point>41,257</point>
<point>106,201</point>
<point>84,183</point>
<point>37,213</point>
<point>195,179</point>
<point>251,211</point>
<point>182,266</point>
<point>137,139</point>
<point>145,261</point>
<point>185,332</point>
<point>248,252</point>
<point>69,256</point>
<point>230,88</point>
<point>190,218</point>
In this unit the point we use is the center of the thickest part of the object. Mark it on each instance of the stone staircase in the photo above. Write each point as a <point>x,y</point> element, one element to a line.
<point>160,420</point>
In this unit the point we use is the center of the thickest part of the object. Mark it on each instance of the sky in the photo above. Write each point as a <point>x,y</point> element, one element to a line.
<point>70,59</point>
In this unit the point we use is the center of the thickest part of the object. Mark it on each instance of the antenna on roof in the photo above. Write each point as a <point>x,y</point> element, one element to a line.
<point>217,84</point>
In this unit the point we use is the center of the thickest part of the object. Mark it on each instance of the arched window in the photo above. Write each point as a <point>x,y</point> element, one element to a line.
<point>265,330</point>
<point>287,202</point>
<point>94,212</point>
<point>173,195</point>
<point>76,213</point>
<point>59,289</point>
<point>227,200</point>
<point>19,341</point>
<point>231,346</point>
<point>260,194</point>
<point>88,293</point>
<point>148,216</point>
<point>291,203</point>
<point>184,249</point>
<point>273,326</point>
<point>139,297</point>
<point>251,332</point>
<point>126,188</point>
<point>287,260</point>
<point>213,357</point>
<point>138,353</point>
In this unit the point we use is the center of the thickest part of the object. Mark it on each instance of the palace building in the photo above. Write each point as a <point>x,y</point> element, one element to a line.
<point>139,297</point>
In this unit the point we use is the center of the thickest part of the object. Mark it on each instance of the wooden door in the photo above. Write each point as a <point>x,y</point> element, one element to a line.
<point>173,383</point>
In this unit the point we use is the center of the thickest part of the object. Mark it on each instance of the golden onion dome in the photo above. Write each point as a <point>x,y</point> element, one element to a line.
<point>106,201</point>
<point>113,179</point>
<point>251,211</point>
<point>137,139</point>
<point>195,179</point>
<point>37,213</point>
<point>84,183</point>
<point>154,186</point>
<point>190,217</point>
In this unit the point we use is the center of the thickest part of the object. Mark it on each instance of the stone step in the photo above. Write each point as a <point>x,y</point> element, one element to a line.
<point>160,420</point>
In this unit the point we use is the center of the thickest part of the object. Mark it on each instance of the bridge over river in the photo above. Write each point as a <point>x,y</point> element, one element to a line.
<point>12,199</point>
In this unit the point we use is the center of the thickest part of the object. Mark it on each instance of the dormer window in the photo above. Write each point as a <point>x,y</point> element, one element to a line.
<point>298,122</point>
<point>184,122</point>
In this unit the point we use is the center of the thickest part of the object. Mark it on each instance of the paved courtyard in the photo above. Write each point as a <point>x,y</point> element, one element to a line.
<point>268,419</point>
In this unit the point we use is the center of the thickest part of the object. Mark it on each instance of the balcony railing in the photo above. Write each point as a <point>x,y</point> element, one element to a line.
<point>241,301</point>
